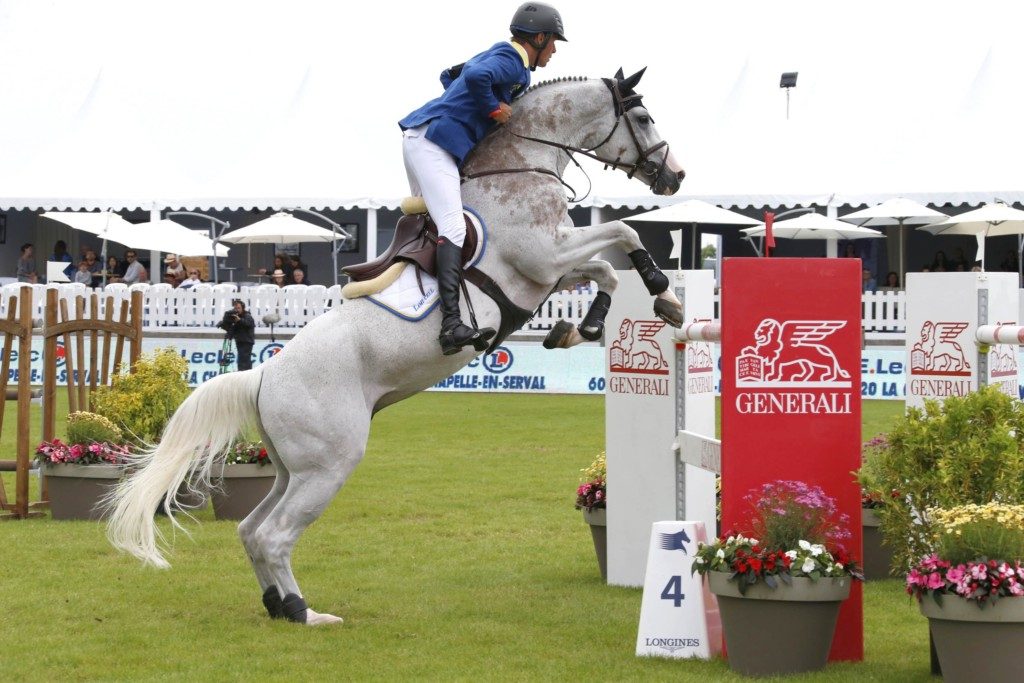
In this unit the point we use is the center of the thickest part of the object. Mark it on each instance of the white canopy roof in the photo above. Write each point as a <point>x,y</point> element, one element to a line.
<point>119,104</point>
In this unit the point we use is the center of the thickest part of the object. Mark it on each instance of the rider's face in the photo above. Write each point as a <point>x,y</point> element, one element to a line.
<point>545,56</point>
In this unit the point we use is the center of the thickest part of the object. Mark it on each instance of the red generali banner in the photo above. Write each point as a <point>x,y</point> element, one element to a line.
<point>791,343</point>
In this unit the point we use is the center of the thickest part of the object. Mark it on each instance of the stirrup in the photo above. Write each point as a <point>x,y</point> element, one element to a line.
<point>451,345</point>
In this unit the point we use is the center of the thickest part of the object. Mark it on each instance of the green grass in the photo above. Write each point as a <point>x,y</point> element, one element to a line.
<point>452,553</point>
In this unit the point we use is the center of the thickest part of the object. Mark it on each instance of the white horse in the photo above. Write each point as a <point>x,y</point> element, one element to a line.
<point>313,402</point>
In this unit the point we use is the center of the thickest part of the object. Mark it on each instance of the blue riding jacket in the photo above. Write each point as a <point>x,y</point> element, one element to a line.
<point>460,118</point>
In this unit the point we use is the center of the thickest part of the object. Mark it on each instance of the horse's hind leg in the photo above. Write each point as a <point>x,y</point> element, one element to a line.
<point>564,335</point>
<point>307,495</point>
<point>247,532</point>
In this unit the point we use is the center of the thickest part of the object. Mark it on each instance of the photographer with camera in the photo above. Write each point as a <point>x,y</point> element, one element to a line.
<point>240,327</point>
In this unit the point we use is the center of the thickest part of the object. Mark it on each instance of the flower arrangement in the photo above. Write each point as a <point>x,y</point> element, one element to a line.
<point>246,453</point>
<point>870,497</point>
<point>800,533</point>
<point>591,493</point>
<point>58,452</point>
<point>141,402</point>
<point>979,549</point>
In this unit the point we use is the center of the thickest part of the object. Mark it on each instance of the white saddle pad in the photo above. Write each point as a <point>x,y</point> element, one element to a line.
<point>404,298</point>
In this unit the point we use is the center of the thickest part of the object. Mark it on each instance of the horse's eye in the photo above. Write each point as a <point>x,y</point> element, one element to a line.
<point>644,120</point>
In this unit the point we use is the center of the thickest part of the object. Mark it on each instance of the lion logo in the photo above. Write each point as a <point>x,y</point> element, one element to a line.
<point>792,352</point>
<point>636,349</point>
<point>938,352</point>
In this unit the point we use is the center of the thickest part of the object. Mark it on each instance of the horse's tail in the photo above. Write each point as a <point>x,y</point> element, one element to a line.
<point>202,428</point>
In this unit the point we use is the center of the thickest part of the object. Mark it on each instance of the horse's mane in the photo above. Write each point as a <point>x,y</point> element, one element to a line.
<point>562,79</point>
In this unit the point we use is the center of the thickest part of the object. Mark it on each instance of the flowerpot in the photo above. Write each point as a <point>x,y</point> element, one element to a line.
<point>877,557</point>
<point>977,644</point>
<point>787,630</point>
<point>76,490</point>
<point>238,489</point>
<point>597,520</point>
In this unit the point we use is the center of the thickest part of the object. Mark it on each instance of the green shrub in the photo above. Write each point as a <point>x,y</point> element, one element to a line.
<point>86,428</point>
<point>142,402</point>
<point>966,450</point>
<point>968,533</point>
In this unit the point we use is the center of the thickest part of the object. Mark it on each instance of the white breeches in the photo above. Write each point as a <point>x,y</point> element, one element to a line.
<point>434,175</point>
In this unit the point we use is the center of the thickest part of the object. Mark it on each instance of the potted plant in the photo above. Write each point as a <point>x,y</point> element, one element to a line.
<point>878,558</point>
<point>971,589</point>
<point>81,472</point>
<point>964,450</point>
<point>790,571</point>
<point>591,497</point>
<point>243,481</point>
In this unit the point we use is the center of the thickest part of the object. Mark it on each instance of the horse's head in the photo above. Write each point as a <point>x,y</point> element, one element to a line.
<point>634,145</point>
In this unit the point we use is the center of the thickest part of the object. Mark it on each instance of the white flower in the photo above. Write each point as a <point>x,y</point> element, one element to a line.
<point>817,550</point>
<point>699,560</point>
<point>720,554</point>
<point>804,545</point>
<point>791,554</point>
<point>808,566</point>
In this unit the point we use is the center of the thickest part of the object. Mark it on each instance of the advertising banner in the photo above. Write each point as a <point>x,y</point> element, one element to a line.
<point>791,392</point>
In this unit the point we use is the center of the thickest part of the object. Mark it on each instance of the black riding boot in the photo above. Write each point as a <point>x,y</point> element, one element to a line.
<point>454,334</point>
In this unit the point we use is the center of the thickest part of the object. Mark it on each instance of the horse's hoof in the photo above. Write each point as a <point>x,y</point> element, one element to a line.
<point>669,311</point>
<point>559,335</point>
<point>317,619</point>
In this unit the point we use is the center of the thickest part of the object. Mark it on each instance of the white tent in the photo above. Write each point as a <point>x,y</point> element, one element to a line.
<point>119,104</point>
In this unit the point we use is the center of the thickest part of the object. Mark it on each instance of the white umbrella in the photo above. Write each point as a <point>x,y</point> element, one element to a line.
<point>814,226</point>
<point>281,228</point>
<point>991,220</point>
<point>95,222</point>
<point>694,212</point>
<point>899,211</point>
<point>166,236</point>
<point>284,228</point>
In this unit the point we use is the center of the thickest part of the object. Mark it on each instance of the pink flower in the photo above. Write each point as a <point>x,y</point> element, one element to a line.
<point>934,581</point>
<point>955,574</point>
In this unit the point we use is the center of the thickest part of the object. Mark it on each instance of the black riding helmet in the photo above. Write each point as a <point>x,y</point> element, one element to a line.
<point>536,17</point>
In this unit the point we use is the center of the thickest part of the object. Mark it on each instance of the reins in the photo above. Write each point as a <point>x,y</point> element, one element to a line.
<point>643,163</point>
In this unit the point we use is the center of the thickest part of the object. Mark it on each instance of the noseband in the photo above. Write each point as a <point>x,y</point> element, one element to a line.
<point>643,164</point>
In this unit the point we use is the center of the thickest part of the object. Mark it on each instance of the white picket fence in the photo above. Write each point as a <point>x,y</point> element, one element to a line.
<point>883,313</point>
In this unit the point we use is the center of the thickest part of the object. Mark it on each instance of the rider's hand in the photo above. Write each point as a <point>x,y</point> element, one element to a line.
<point>502,114</point>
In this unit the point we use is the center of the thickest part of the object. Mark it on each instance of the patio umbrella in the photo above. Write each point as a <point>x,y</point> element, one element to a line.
<point>284,228</point>
<point>814,226</point>
<point>991,220</point>
<point>899,211</point>
<point>165,236</point>
<point>103,224</point>
<point>695,212</point>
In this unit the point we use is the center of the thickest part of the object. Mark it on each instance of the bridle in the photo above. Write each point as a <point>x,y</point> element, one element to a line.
<point>644,164</point>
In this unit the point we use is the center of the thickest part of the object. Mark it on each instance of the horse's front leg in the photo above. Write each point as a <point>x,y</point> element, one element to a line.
<point>575,246</point>
<point>564,335</point>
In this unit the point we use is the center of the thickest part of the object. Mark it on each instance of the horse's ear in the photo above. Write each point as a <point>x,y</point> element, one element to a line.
<point>631,82</point>
<point>618,74</point>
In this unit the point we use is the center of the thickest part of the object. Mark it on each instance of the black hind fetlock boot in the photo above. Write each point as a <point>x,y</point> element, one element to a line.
<point>454,333</point>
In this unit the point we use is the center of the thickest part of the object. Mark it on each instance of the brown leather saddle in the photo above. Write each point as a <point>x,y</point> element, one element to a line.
<point>415,242</point>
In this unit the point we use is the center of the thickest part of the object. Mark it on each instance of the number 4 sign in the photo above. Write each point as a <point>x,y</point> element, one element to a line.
<point>678,616</point>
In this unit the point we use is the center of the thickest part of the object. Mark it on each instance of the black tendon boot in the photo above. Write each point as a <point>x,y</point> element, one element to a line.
<point>454,333</point>
<point>294,608</point>
<point>592,326</point>
<point>655,280</point>
<point>272,601</point>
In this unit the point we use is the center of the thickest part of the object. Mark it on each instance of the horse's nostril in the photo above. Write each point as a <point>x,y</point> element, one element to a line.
<point>680,175</point>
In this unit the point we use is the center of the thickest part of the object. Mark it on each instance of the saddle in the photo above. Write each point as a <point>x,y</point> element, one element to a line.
<point>415,242</point>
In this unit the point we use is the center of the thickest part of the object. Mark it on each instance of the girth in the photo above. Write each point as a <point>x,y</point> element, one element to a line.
<point>513,317</point>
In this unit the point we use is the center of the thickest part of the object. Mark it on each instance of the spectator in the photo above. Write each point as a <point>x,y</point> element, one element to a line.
<point>299,277</point>
<point>175,270</point>
<point>279,264</point>
<point>27,265</point>
<point>867,281</point>
<point>192,280</point>
<point>115,271</point>
<point>240,327</point>
<point>959,259</point>
<point>60,253</point>
<point>850,250</point>
<point>1009,263</point>
<point>94,266</point>
<point>940,264</point>
<point>135,272</point>
<point>892,280</point>
<point>293,263</point>
<point>279,278</point>
<point>83,275</point>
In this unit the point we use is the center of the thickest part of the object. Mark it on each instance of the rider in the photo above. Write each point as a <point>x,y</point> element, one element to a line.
<point>438,136</point>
